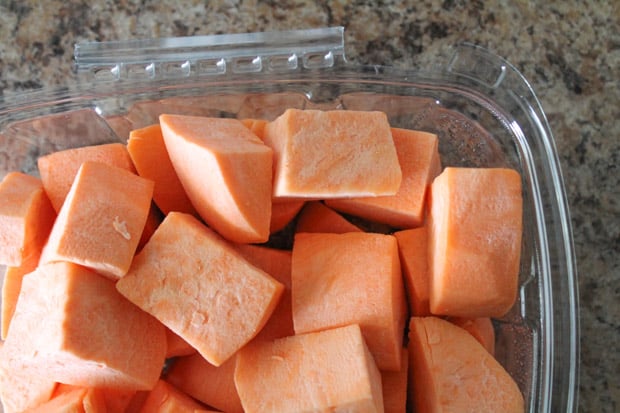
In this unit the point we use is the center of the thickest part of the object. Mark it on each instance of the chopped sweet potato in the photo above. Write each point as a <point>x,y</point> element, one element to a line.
<point>282,213</point>
<point>215,300</point>
<point>481,328</point>
<point>413,251</point>
<point>330,370</point>
<point>91,337</point>
<point>176,346</point>
<point>21,390</point>
<point>101,222</point>
<point>340,279</point>
<point>148,152</point>
<point>452,371</point>
<point>226,172</point>
<point>165,398</point>
<point>395,386</point>
<point>332,154</point>
<point>474,241</point>
<point>58,169</point>
<point>11,286</point>
<point>317,217</point>
<point>276,263</point>
<point>214,386</point>
<point>419,160</point>
<point>26,218</point>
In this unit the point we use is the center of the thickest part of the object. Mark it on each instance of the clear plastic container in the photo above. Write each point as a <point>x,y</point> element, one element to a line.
<point>483,110</point>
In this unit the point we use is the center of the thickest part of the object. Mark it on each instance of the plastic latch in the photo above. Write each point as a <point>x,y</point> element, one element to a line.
<point>478,64</point>
<point>179,57</point>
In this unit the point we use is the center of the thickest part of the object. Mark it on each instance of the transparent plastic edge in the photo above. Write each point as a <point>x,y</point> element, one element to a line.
<point>178,57</point>
<point>492,72</point>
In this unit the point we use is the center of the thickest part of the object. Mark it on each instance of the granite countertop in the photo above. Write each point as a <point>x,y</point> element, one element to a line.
<point>569,51</point>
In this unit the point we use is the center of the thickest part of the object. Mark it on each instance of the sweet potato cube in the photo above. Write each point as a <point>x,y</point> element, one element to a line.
<point>340,279</point>
<point>226,171</point>
<point>318,217</point>
<point>413,251</point>
<point>92,336</point>
<point>283,212</point>
<point>332,154</point>
<point>481,328</point>
<point>276,263</point>
<point>452,371</point>
<point>176,346</point>
<point>26,218</point>
<point>11,287</point>
<point>475,227</point>
<point>197,285</point>
<point>214,386</point>
<point>59,168</point>
<point>148,152</point>
<point>165,398</point>
<point>21,390</point>
<point>257,126</point>
<point>331,370</point>
<point>395,386</point>
<point>419,161</point>
<point>101,221</point>
<point>71,399</point>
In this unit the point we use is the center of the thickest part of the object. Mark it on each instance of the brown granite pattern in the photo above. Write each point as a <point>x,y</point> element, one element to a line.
<point>569,50</point>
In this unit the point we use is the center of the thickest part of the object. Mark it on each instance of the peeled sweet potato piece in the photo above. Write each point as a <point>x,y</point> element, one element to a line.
<point>26,218</point>
<point>341,279</point>
<point>453,372</point>
<point>475,228</point>
<point>58,169</point>
<point>148,152</point>
<point>101,221</point>
<point>330,370</point>
<point>332,154</point>
<point>91,335</point>
<point>419,161</point>
<point>196,284</point>
<point>226,171</point>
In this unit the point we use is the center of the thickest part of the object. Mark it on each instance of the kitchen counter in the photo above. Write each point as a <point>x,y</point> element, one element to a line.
<point>570,53</point>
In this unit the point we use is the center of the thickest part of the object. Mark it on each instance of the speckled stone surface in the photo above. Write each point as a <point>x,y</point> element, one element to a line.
<point>569,51</point>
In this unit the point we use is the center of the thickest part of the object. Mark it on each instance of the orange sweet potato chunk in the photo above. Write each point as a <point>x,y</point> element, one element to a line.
<point>276,263</point>
<point>340,279</point>
<point>101,222</point>
<point>165,398</point>
<point>419,160</point>
<point>149,154</point>
<point>475,227</point>
<point>395,386</point>
<point>282,213</point>
<point>21,390</point>
<point>67,402</point>
<point>413,251</point>
<point>91,337</point>
<point>481,328</point>
<point>11,286</point>
<point>257,126</point>
<point>26,218</point>
<point>197,285</point>
<point>452,371</point>
<point>226,171</point>
<point>214,386</point>
<point>58,169</point>
<point>317,217</point>
<point>71,399</point>
<point>332,154</point>
<point>331,370</point>
<point>176,346</point>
